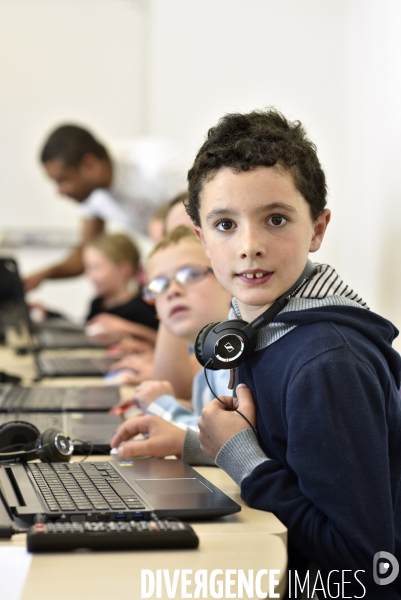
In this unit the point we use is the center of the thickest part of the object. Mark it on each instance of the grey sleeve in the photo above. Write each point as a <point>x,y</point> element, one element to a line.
<point>240,455</point>
<point>191,452</point>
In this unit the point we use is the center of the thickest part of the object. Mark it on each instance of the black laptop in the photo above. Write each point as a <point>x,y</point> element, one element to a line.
<point>14,311</point>
<point>53,335</point>
<point>91,430</point>
<point>65,366</point>
<point>111,490</point>
<point>50,338</point>
<point>15,398</point>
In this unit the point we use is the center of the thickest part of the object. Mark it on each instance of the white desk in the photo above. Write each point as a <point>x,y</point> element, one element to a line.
<point>251,539</point>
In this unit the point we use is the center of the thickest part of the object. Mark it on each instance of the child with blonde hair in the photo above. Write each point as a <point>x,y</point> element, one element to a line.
<point>111,263</point>
<point>187,295</point>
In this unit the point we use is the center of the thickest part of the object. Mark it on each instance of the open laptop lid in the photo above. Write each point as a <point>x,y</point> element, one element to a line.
<point>13,308</point>
<point>12,301</point>
<point>56,333</point>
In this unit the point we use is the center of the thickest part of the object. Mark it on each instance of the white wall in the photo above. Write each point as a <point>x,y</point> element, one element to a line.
<point>62,61</point>
<point>227,56</point>
<point>175,66</point>
<point>371,207</point>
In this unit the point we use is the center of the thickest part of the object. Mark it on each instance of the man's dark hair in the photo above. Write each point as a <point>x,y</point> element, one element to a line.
<point>70,143</point>
<point>241,142</point>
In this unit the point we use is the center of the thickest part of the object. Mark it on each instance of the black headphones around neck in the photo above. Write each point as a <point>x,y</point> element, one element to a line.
<point>228,344</point>
<point>21,441</point>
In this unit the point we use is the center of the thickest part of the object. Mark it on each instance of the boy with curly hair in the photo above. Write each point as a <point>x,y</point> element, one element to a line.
<point>321,388</point>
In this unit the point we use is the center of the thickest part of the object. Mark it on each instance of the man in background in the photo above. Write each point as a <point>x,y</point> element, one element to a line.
<point>124,186</point>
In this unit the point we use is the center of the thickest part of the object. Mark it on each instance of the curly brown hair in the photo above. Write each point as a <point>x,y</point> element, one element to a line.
<point>266,138</point>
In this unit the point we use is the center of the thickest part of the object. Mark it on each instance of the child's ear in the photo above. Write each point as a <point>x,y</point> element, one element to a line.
<point>198,232</point>
<point>319,229</point>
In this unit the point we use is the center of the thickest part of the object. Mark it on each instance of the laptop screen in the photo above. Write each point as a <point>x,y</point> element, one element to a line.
<point>13,309</point>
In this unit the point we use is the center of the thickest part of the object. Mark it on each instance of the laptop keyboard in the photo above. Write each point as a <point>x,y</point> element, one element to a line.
<point>66,339</point>
<point>75,365</point>
<point>34,399</point>
<point>90,486</point>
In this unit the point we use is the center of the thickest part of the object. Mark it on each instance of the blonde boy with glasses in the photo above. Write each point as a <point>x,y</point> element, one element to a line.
<point>187,296</point>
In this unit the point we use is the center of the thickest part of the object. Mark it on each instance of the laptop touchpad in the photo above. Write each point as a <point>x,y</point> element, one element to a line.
<point>173,486</point>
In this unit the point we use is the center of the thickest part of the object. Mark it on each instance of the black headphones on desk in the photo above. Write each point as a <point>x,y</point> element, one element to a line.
<point>228,344</point>
<point>21,441</point>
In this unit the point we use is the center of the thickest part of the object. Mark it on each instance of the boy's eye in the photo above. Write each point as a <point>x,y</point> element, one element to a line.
<point>277,221</point>
<point>225,225</point>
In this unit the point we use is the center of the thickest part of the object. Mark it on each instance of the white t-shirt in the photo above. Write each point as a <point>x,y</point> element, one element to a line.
<point>147,172</point>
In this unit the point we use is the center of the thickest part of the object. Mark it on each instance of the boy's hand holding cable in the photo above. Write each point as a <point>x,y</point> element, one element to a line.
<point>218,423</point>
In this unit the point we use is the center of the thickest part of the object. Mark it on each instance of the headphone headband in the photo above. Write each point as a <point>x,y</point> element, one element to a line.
<point>227,344</point>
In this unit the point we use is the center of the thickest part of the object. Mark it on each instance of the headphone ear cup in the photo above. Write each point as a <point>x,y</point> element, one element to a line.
<point>18,433</point>
<point>54,446</point>
<point>200,343</point>
<point>224,345</point>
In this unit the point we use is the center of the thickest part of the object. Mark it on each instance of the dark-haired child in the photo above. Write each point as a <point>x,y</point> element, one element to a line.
<point>322,384</point>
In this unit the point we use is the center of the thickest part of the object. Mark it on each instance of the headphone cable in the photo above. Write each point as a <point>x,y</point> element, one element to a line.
<point>226,403</point>
<point>85,443</point>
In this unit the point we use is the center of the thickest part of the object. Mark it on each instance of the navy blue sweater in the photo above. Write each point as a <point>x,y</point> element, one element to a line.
<point>329,418</point>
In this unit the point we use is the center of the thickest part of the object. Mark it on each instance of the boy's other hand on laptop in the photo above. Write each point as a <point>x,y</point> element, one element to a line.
<point>218,423</point>
<point>148,391</point>
<point>164,439</point>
